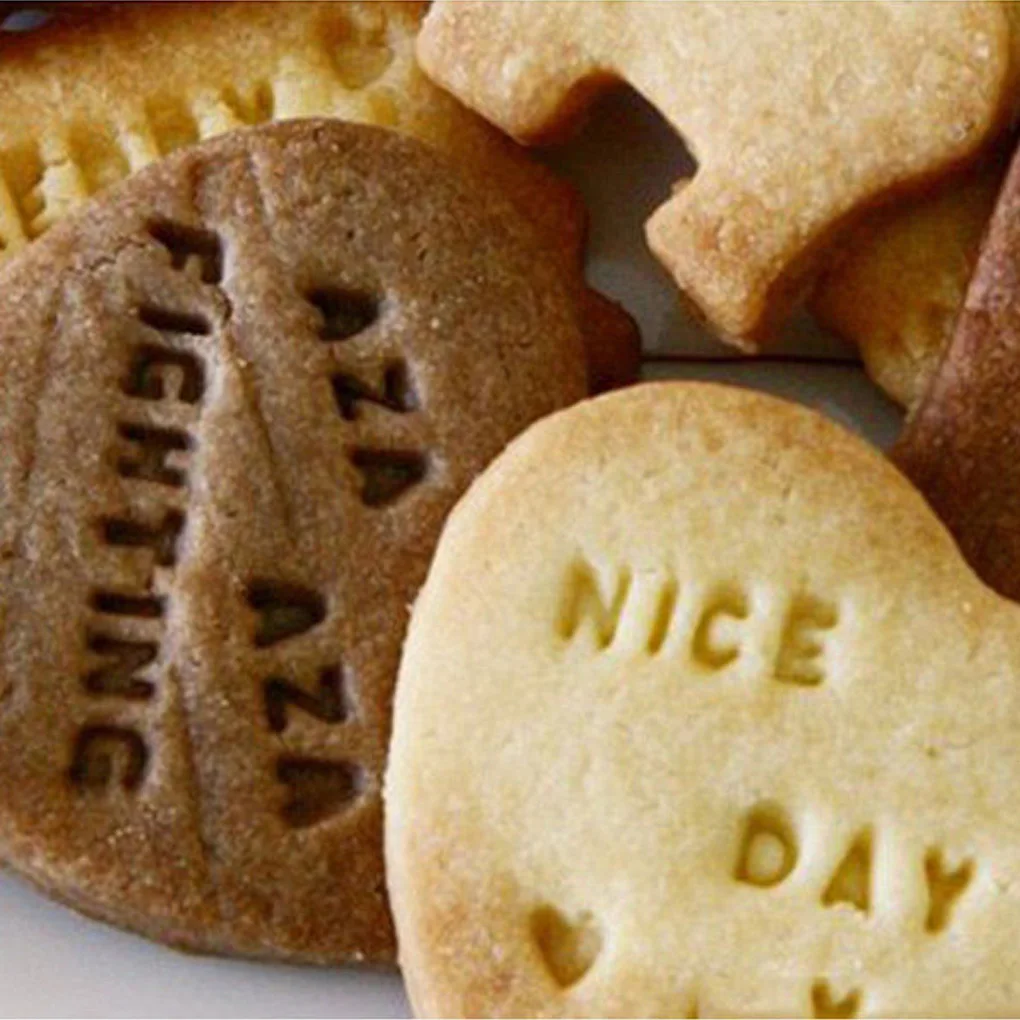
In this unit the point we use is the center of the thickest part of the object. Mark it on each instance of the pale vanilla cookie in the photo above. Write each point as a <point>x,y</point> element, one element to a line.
<point>84,104</point>
<point>799,114</point>
<point>900,281</point>
<point>701,714</point>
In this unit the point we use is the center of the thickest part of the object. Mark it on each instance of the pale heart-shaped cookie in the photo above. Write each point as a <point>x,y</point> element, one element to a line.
<point>240,395</point>
<point>799,114</point>
<point>701,714</point>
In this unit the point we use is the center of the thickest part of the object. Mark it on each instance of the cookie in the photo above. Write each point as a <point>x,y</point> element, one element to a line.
<point>241,393</point>
<point>900,282</point>
<point>799,115</point>
<point>962,445</point>
<point>734,732</point>
<point>85,104</point>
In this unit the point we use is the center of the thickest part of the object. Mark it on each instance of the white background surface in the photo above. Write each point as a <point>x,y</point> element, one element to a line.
<point>54,963</point>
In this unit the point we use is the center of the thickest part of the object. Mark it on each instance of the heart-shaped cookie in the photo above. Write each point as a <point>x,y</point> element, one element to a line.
<point>240,395</point>
<point>702,714</point>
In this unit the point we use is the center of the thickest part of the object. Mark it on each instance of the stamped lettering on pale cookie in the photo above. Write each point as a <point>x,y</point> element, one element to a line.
<point>778,753</point>
<point>654,613</point>
<point>770,851</point>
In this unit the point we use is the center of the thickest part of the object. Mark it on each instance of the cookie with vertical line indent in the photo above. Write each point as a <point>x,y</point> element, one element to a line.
<point>241,392</point>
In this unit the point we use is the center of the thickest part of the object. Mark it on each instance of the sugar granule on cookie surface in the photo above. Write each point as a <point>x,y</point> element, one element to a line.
<point>241,392</point>
<point>87,103</point>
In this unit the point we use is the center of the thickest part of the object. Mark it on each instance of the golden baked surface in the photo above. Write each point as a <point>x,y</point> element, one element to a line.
<point>701,714</point>
<point>899,285</point>
<point>899,282</point>
<point>89,102</point>
<point>800,115</point>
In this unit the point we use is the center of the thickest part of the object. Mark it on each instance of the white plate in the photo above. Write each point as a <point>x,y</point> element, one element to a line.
<point>54,963</point>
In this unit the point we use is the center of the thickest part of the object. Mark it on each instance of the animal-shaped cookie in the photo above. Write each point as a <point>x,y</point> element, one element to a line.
<point>85,104</point>
<point>702,714</point>
<point>240,394</point>
<point>798,114</point>
<point>962,445</point>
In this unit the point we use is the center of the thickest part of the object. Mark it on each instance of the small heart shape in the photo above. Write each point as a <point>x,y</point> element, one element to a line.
<point>569,945</point>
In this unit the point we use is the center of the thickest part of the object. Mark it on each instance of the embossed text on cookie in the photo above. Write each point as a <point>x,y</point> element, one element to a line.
<point>165,383</point>
<point>658,613</point>
<point>317,787</point>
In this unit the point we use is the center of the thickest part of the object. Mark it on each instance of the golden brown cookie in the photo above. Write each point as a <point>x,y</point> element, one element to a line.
<point>733,732</point>
<point>962,445</point>
<point>900,281</point>
<point>241,392</point>
<point>800,115</point>
<point>85,104</point>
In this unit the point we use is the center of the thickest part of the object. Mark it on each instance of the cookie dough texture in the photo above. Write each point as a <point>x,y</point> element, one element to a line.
<point>89,102</point>
<point>800,116</point>
<point>241,392</point>
<point>899,284</point>
<point>702,714</point>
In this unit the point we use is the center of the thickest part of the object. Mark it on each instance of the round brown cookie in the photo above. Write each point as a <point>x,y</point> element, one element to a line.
<point>241,393</point>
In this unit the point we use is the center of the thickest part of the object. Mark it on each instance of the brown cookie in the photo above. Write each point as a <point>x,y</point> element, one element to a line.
<point>241,393</point>
<point>962,446</point>
<point>87,103</point>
